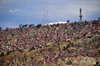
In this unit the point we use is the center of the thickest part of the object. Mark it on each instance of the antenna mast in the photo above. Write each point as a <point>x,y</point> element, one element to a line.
<point>86,12</point>
<point>80,15</point>
<point>39,18</point>
<point>44,18</point>
<point>16,24</point>
<point>30,19</point>
<point>55,17</point>
<point>47,17</point>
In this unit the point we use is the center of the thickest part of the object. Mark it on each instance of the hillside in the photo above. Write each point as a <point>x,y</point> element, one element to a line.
<point>31,55</point>
<point>57,44</point>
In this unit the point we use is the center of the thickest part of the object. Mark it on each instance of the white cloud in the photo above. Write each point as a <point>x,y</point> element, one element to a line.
<point>34,7</point>
<point>51,6</point>
<point>13,10</point>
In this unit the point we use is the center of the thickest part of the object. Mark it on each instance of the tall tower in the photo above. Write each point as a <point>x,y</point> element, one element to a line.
<point>16,24</point>
<point>30,19</point>
<point>55,18</point>
<point>47,17</point>
<point>80,15</point>
<point>39,18</point>
<point>44,18</point>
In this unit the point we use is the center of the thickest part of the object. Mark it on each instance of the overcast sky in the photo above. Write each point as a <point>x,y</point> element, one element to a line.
<point>24,10</point>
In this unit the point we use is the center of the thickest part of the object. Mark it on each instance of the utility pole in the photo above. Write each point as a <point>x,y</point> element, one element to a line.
<point>47,17</point>
<point>44,18</point>
<point>55,17</point>
<point>30,19</point>
<point>39,18</point>
<point>16,24</point>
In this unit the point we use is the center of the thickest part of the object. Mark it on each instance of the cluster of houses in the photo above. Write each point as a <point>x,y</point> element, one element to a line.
<point>25,38</point>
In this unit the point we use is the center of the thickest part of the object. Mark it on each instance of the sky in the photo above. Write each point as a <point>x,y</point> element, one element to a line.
<point>14,12</point>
